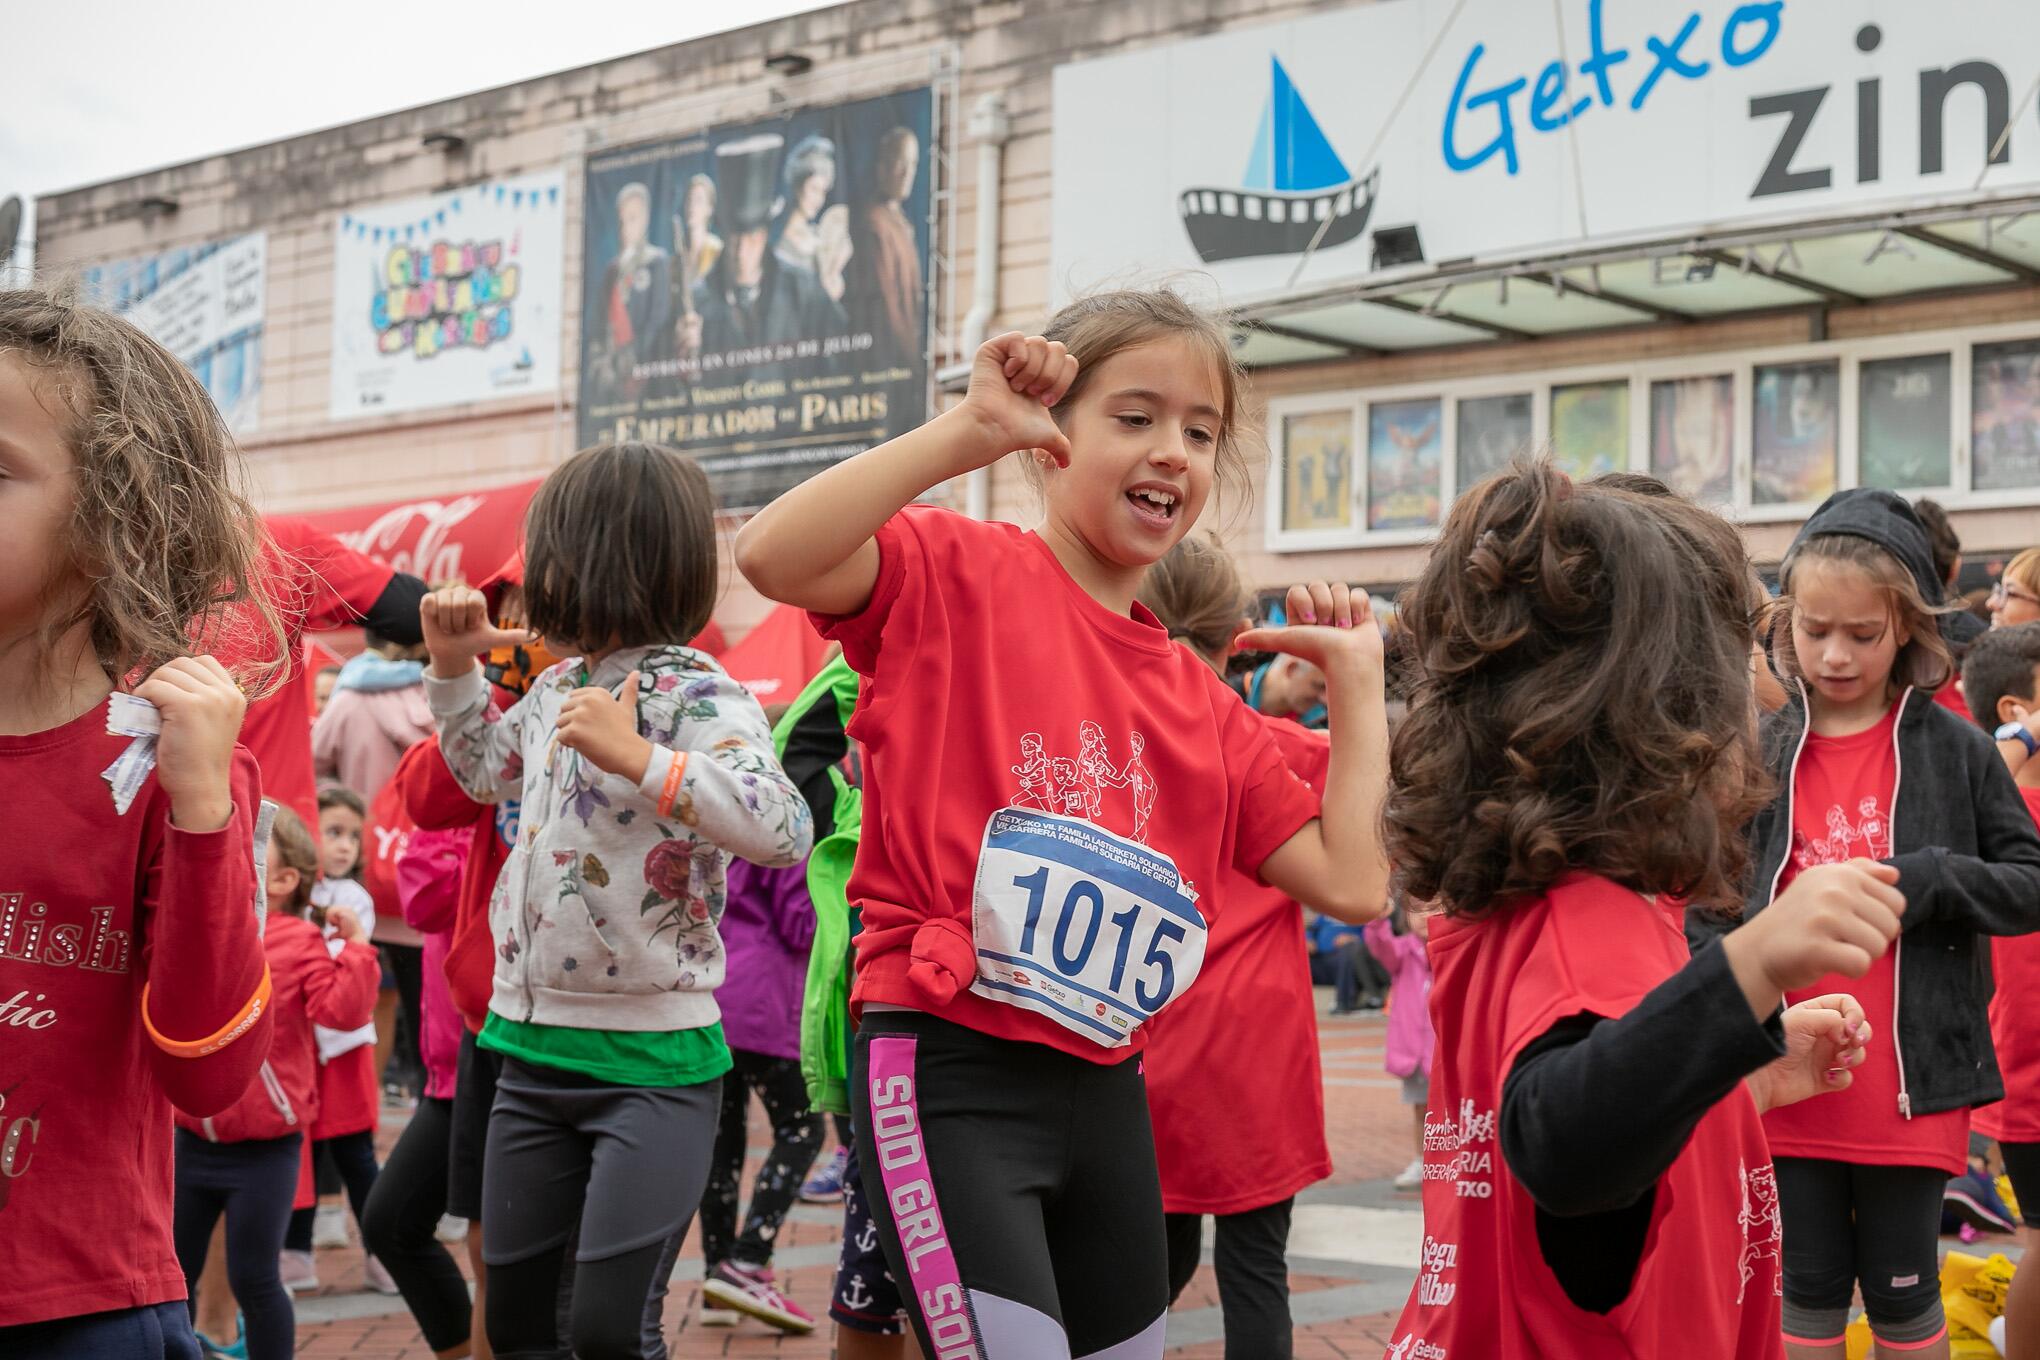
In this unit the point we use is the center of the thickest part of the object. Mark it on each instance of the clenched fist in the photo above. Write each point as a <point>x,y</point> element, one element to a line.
<point>603,727</point>
<point>201,708</point>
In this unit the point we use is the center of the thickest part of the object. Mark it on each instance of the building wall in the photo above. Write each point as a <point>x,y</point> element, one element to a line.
<point>294,189</point>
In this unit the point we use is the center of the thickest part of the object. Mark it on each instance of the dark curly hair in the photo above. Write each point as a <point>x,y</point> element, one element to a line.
<point>1579,664</point>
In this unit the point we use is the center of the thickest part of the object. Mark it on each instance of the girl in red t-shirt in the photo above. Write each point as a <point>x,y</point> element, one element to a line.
<point>131,974</point>
<point>1573,770</point>
<point>1244,1173</point>
<point>1057,792</point>
<point>1867,765</point>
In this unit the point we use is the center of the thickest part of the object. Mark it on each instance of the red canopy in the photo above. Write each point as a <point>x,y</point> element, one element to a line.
<point>778,657</point>
<point>462,537</point>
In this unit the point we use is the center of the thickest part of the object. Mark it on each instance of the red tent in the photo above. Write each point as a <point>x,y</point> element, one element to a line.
<point>440,538</point>
<point>778,657</point>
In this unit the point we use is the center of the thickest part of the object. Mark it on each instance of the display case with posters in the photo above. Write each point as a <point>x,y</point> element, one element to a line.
<point>757,294</point>
<point>1692,436</point>
<point>2004,415</point>
<point>1793,442</point>
<point>1405,464</point>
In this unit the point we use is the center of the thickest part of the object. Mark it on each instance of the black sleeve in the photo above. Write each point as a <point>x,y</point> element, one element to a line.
<point>816,744</point>
<point>1595,1110</point>
<point>1995,891</point>
<point>394,614</point>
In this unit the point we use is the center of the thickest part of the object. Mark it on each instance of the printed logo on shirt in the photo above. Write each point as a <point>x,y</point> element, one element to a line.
<point>1414,1347</point>
<point>1076,788</point>
<point>1866,835</point>
<point>1468,1142</point>
<point>1763,1231</point>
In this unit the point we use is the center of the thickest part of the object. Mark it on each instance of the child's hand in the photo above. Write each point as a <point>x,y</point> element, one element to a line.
<point>1330,625</point>
<point>603,727</point>
<point>1824,1038</point>
<point>458,629</point>
<point>1015,382</point>
<point>1835,918</point>
<point>201,708</point>
<point>345,924</point>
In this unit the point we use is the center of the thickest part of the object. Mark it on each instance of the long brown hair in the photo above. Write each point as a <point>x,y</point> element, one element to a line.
<point>161,531</point>
<point>1580,698</point>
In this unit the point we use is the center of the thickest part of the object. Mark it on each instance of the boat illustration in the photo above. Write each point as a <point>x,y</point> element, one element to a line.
<point>1295,183</point>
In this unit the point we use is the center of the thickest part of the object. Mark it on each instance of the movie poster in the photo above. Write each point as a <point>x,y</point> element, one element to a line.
<point>1902,429</point>
<point>2005,415</point>
<point>757,294</point>
<point>1492,430</point>
<point>1590,428</point>
<point>1404,464</point>
<point>449,299</point>
<point>1317,455</point>
<point>1692,437</point>
<point>1793,449</point>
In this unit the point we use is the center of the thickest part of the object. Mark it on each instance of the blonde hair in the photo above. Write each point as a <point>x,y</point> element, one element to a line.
<point>291,842</point>
<point>160,528</point>
<point>1195,591</point>
<point>2024,570</point>
<point>1924,662</point>
<point>1097,327</point>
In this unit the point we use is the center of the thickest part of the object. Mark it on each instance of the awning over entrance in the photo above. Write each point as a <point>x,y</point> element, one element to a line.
<point>1814,267</point>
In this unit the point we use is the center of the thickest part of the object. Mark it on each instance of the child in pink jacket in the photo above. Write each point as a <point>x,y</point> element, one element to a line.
<point>1398,940</point>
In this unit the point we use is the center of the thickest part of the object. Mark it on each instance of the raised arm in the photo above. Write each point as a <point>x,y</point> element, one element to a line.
<point>1336,862</point>
<point>812,548</point>
<point>484,752</point>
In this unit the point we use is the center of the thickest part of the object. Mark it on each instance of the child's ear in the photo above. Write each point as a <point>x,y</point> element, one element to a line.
<point>2010,708</point>
<point>289,879</point>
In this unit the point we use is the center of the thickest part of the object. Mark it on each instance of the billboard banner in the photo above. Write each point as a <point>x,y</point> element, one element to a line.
<point>757,294</point>
<point>205,305</point>
<point>448,299</point>
<point>1500,130</point>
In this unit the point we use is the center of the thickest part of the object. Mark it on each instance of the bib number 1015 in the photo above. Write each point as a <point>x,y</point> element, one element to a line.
<point>1083,918</point>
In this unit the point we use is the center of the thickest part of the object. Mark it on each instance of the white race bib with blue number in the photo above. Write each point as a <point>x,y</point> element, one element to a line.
<point>1094,931</point>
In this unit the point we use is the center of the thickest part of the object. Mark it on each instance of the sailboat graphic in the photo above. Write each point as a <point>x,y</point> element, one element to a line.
<point>1295,183</point>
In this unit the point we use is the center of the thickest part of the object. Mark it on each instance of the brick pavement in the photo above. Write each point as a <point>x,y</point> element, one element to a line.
<point>1343,1307</point>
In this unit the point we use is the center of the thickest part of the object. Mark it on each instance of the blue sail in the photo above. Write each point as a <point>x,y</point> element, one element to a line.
<point>1303,159</point>
<point>1261,163</point>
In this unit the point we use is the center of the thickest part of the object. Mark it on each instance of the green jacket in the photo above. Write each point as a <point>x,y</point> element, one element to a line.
<point>812,743</point>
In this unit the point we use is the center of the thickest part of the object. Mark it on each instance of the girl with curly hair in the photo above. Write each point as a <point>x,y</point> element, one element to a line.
<point>130,960</point>
<point>1574,771</point>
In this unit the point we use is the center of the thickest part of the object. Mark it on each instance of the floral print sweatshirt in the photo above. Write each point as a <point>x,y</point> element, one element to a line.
<point>604,916</point>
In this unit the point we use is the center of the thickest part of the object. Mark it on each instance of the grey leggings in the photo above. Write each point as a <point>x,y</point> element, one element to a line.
<point>624,1164</point>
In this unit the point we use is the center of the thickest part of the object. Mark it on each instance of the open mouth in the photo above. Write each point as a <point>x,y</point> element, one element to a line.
<point>1154,504</point>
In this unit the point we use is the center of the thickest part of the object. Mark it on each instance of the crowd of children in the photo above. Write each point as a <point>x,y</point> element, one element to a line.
<point>1686,901</point>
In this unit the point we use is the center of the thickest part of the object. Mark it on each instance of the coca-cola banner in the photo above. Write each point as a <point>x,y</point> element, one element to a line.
<point>461,537</point>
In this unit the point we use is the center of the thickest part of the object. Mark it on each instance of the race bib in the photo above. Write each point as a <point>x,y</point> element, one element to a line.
<point>1094,931</point>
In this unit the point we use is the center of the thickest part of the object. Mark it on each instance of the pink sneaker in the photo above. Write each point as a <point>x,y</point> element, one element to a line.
<point>749,1290</point>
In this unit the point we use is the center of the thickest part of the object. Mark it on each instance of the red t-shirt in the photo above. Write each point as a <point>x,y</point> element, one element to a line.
<point>2015,1029</point>
<point>85,1132</point>
<point>1005,711</point>
<point>1708,1281</point>
<point>1842,798</point>
<point>1244,1038</point>
<point>316,583</point>
<point>1951,697</point>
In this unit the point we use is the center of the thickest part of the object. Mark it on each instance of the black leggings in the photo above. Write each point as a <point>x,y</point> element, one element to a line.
<point>1251,1260</point>
<point>402,1216</point>
<point>407,965</point>
<point>2022,1164</point>
<point>796,1137</point>
<point>353,1156</point>
<point>1014,1189</point>
<point>616,1311</point>
<point>1847,1224</point>
<point>252,1184</point>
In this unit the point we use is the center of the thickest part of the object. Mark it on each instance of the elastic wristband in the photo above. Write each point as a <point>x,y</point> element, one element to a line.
<point>669,792</point>
<point>226,1034</point>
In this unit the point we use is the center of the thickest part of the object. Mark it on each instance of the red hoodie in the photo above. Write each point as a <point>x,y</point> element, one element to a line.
<point>94,905</point>
<point>308,986</point>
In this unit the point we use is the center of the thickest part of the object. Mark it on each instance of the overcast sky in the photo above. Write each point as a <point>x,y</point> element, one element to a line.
<point>95,89</point>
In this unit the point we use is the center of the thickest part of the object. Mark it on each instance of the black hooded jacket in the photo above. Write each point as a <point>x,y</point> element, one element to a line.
<point>1965,846</point>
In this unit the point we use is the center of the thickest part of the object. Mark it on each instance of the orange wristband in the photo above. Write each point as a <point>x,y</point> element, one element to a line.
<point>227,1033</point>
<point>670,790</point>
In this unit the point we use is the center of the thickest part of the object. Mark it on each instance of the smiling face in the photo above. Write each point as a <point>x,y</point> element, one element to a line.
<point>1144,435</point>
<point>1844,635</point>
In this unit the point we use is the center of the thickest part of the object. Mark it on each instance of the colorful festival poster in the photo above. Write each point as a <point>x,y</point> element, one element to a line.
<point>450,299</point>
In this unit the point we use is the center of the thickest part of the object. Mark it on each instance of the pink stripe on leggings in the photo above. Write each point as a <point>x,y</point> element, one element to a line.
<point>939,1295</point>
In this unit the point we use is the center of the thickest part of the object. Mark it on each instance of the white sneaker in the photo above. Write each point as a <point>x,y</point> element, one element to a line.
<point>298,1270</point>
<point>720,1317</point>
<point>452,1231</point>
<point>1412,1176</point>
<point>375,1277</point>
<point>329,1226</point>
